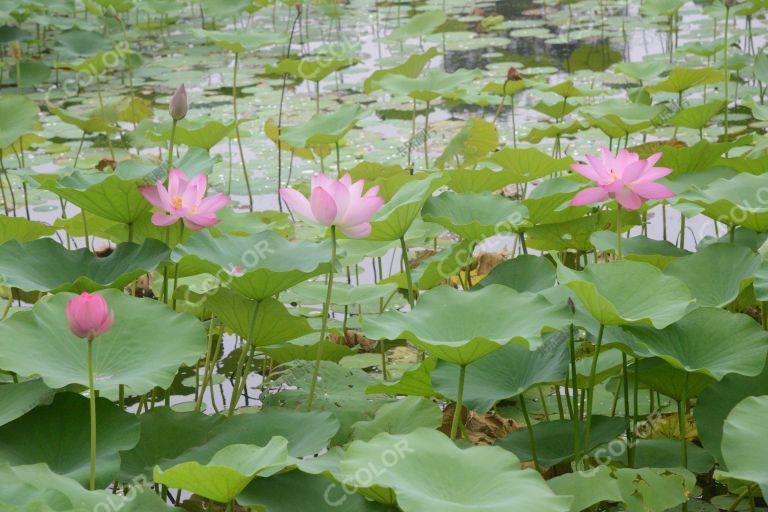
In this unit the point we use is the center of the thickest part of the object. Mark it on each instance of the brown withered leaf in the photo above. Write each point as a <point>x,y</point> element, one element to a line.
<point>482,429</point>
<point>106,162</point>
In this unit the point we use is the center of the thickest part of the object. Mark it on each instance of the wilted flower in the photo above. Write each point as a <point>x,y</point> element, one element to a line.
<point>88,316</point>
<point>339,203</point>
<point>625,178</point>
<point>184,200</point>
<point>513,75</point>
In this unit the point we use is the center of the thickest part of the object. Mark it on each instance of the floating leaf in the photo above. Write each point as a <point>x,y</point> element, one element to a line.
<point>525,273</point>
<point>475,216</point>
<point>324,128</point>
<point>400,417</point>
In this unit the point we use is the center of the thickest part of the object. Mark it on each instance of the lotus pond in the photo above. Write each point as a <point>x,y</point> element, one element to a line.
<point>367,255</point>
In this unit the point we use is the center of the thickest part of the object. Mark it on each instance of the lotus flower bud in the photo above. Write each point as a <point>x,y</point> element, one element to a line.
<point>88,316</point>
<point>178,106</point>
<point>299,9</point>
<point>729,3</point>
<point>513,75</point>
<point>571,306</point>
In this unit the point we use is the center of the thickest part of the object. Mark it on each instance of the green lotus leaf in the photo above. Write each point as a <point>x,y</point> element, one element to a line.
<point>550,202</point>
<point>198,133</point>
<point>411,68</point>
<point>718,400</point>
<point>305,348</point>
<point>59,435</point>
<point>639,490</point>
<point>669,380</point>
<point>18,399</point>
<point>475,216</point>
<point>22,230</point>
<point>658,253</point>
<point>540,132</point>
<point>554,439</point>
<point>36,487</point>
<point>433,84</point>
<point>665,453</point>
<point>296,491</point>
<point>415,382</point>
<point>461,327</point>
<point>737,201</point>
<point>526,273</point>
<point>400,417</point>
<point>685,160</point>
<point>419,26</point>
<point>33,72</point>
<point>343,294</point>
<point>18,116</point>
<point>556,110</point>
<point>242,41</point>
<point>527,164</point>
<point>80,43</point>
<point>393,220</point>
<point>270,263</point>
<point>229,471</point>
<point>697,117</point>
<point>568,90</point>
<point>729,269</point>
<point>105,194</point>
<point>604,290</point>
<point>695,343</point>
<point>563,231</point>
<point>324,128</point>
<point>477,180</point>
<point>617,118</point>
<point>642,71</point>
<point>155,444</point>
<point>95,124</point>
<point>145,347</point>
<point>681,79</point>
<point>46,265</point>
<point>473,142</point>
<point>437,269</point>
<point>498,483</point>
<point>314,70</point>
<point>743,446</point>
<point>505,373</point>
<point>262,322</point>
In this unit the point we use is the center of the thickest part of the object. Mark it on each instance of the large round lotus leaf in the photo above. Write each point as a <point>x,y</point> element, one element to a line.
<point>521,165</point>
<point>728,269</point>
<point>400,417</point>
<point>296,491</point>
<point>269,263</point>
<point>87,124</point>
<point>505,373</point>
<point>18,116</point>
<point>711,341</point>
<point>59,435</point>
<point>462,327</point>
<point>669,380</point>
<point>145,347</point>
<point>307,434</point>
<point>717,401</point>
<point>526,273</point>
<point>393,220</point>
<point>418,26</point>
<point>201,133</point>
<point>683,78</point>
<point>238,41</point>
<point>554,439</point>
<point>36,488</point>
<point>476,216</point>
<point>432,84</point>
<point>189,429</point>
<point>737,201</point>
<point>658,253</point>
<point>551,201</point>
<point>427,471</point>
<point>80,43</point>
<point>410,68</point>
<point>324,128</point>
<point>311,69</point>
<point>22,230</point>
<point>104,194</point>
<point>229,471</point>
<point>47,266</point>
<point>624,292</point>
<point>18,399</point>
<point>744,447</point>
<point>665,453</point>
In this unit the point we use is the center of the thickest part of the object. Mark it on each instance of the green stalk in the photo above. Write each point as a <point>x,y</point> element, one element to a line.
<point>338,161</point>
<point>407,267</point>
<point>630,441</point>
<point>576,417</point>
<point>170,146</point>
<point>92,396</point>
<point>725,66</point>
<point>101,107</point>
<point>237,135</point>
<point>459,402</point>
<point>591,388</point>
<point>324,325</point>
<point>426,138</point>
<point>618,232</point>
<point>208,366</point>
<point>501,104</point>
<point>531,437</point>
<point>682,405</point>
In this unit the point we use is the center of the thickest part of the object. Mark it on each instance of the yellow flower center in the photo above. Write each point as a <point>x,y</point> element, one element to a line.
<point>614,175</point>
<point>176,202</point>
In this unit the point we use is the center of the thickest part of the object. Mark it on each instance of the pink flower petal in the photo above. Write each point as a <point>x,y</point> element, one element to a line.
<point>212,204</point>
<point>323,206</point>
<point>587,171</point>
<point>361,211</point>
<point>633,171</point>
<point>298,203</point>
<point>652,174</point>
<point>161,219</point>
<point>652,191</point>
<point>589,196</point>
<point>152,196</point>
<point>198,221</point>
<point>177,182</point>
<point>358,231</point>
<point>200,184</point>
<point>628,199</point>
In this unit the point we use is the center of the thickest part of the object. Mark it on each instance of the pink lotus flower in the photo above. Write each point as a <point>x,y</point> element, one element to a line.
<point>184,200</point>
<point>339,203</point>
<point>625,178</point>
<point>88,316</point>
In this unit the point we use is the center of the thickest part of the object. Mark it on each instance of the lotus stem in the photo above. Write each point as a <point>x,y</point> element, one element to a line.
<point>408,276</point>
<point>682,405</point>
<point>426,137</point>
<point>727,72</point>
<point>92,397</point>
<point>324,325</point>
<point>208,365</point>
<point>170,146</point>
<point>101,108</point>
<point>237,134</point>
<point>280,114</point>
<point>413,136</point>
<point>459,402</point>
<point>338,161</point>
<point>529,428</point>
<point>591,388</point>
<point>79,149</point>
<point>575,415</point>
<point>618,232</point>
<point>625,386</point>
<point>501,104</point>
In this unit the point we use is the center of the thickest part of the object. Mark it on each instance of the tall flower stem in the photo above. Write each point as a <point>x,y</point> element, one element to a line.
<point>618,232</point>
<point>575,416</point>
<point>426,137</point>
<point>625,386</point>
<point>459,402</point>
<point>280,114</point>
<point>324,325</point>
<point>170,145</point>
<point>237,134</point>
<point>725,66</point>
<point>682,405</point>
<point>408,277</point>
<point>92,396</point>
<point>591,388</point>
<point>501,103</point>
<point>529,428</point>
